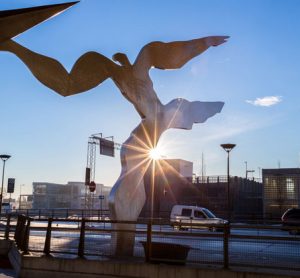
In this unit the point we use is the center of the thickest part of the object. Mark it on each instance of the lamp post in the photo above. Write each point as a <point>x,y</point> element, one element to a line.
<point>3,157</point>
<point>228,147</point>
<point>20,195</point>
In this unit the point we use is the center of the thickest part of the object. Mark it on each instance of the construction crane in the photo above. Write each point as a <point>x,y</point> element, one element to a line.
<point>107,148</point>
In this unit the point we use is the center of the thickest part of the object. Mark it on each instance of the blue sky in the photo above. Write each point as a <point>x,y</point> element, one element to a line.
<point>256,73</point>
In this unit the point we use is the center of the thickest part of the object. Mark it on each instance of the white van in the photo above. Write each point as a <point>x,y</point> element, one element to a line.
<point>183,216</point>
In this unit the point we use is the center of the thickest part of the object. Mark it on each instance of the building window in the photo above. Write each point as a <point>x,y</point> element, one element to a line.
<point>290,188</point>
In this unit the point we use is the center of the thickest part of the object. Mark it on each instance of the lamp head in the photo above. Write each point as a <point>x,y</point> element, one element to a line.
<point>4,157</point>
<point>228,147</point>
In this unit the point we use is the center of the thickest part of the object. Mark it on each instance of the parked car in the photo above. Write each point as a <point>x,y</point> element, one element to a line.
<point>182,217</point>
<point>291,218</point>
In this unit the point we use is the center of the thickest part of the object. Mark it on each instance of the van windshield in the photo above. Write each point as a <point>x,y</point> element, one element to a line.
<point>209,213</point>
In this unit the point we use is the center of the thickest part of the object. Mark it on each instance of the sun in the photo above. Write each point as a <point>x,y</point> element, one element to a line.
<point>155,153</point>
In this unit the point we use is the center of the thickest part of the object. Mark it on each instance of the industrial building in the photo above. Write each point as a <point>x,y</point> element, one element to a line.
<point>68,196</point>
<point>174,183</point>
<point>281,190</point>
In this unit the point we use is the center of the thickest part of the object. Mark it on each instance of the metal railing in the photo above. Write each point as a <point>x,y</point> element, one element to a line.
<point>59,213</point>
<point>228,246</point>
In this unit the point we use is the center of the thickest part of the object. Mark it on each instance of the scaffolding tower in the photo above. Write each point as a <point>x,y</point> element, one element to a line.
<point>106,147</point>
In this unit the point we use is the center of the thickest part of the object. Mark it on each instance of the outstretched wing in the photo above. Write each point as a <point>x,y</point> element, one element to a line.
<point>174,55</point>
<point>90,70</point>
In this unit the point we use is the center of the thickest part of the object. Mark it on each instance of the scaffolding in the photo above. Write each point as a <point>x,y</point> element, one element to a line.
<point>107,147</point>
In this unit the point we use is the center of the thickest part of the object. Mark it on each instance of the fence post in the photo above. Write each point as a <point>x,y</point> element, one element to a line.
<point>225,245</point>
<point>7,229</point>
<point>26,236</point>
<point>149,241</point>
<point>48,237</point>
<point>81,239</point>
<point>19,230</point>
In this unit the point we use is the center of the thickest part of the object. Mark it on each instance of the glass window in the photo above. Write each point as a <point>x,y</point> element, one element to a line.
<point>199,214</point>
<point>186,212</point>
<point>290,188</point>
<point>209,213</point>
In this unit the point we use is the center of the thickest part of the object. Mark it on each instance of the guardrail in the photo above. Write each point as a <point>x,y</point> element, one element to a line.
<point>251,246</point>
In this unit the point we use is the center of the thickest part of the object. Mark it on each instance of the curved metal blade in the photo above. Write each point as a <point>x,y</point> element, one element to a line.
<point>15,22</point>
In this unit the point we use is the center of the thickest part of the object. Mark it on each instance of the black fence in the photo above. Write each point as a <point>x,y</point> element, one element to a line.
<point>265,247</point>
<point>78,214</point>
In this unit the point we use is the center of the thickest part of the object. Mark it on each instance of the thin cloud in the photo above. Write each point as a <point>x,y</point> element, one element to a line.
<point>265,101</point>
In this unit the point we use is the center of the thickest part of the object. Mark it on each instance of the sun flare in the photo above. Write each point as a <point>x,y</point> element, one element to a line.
<point>155,153</point>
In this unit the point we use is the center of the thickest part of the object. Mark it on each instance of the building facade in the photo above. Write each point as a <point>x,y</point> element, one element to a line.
<point>68,196</point>
<point>281,191</point>
<point>174,183</point>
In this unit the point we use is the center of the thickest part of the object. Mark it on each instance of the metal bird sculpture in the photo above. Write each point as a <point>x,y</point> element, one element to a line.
<point>127,197</point>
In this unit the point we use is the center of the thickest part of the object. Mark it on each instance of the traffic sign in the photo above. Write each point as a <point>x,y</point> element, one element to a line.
<point>92,186</point>
<point>11,185</point>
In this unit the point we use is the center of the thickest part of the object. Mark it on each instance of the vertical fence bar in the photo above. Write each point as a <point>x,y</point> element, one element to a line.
<point>225,245</point>
<point>48,237</point>
<point>7,228</point>
<point>149,241</point>
<point>17,229</point>
<point>26,236</point>
<point>81,239</point>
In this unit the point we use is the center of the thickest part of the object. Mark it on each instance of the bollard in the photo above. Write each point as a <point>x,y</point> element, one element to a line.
<point>48,237</point>
<point>81,239</point>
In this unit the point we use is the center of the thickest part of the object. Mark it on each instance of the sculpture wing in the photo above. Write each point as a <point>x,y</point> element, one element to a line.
<point>181,113</point>
<point>174,55</point>
<point>90,70</point>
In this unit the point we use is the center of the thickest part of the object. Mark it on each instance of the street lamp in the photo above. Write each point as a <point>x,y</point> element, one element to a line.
<point>3,157</point>
<point>228,148</point>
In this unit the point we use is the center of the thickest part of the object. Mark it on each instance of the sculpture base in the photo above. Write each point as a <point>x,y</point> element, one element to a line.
<point>123,239</point>
<point>169,253</point>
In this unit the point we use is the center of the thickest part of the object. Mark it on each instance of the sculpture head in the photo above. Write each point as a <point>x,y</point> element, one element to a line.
<point>122,59</point>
